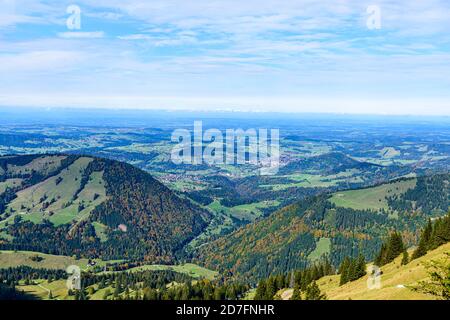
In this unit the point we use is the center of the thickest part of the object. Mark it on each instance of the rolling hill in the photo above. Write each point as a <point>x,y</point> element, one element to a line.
<point>91,207</point>
<point>328,163</point>
<point>397,280</point>
<point>298,234</point>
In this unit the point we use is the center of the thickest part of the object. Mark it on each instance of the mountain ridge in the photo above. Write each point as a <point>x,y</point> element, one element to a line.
<point>286,239</point>
<point>76,199</point>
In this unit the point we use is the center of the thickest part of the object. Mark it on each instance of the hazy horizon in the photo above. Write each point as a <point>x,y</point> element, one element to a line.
<point>34,113</point>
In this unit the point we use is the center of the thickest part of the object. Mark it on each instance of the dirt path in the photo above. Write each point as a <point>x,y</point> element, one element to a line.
<point>286,295</point>
<point>46,289</point>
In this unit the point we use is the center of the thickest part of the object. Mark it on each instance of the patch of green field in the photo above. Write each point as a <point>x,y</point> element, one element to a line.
<point>216,206</point>
<point>249,295</point>
<point>237,171</point>
<point>313,180</point>
<point>220,224</point>
<point>223,218</point>
<point>41,289</point>
<point>190,269</point>
<point>92,195</point>
<point>308,147</point>
<point>23,258</point>
<point>9,183</point>
<point>323,246</point>
<point>29,200</point>
<point>387,161</point>
<point>371,198</point>
<point>404,161</point>
<point>44,165</point>
<point>63,204</point>
<point>186,185</point>
<point>247,212</point>
<point>389,152</point>
<point>100,231</point>
<point>144,148</point>
<point>6,236</point>
<point>99,294</point>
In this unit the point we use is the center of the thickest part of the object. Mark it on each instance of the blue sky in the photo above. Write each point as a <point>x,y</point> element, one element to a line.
<point>253,55</point>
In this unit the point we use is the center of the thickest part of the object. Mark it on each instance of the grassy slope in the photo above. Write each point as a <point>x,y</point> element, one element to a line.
<point>41,289</point>
<point>23,258</point>
<point>9,183</point>
<point>371,198</point>
<point>63,193</point>
<point>393,279</point>
<point>190,269</point>
<point>323,246</point>
<point>314,180</point>
<point>44,165</point>
<point>246,211</point>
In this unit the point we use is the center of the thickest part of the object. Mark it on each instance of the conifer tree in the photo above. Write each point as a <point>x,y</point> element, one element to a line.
<point>440,234</point>
<point>313,292</point>
<point>405,258</point>
<point>292,280</point>
<point>106,294</point>
<point>280,281</point>
<point>424,241</point>
<point>261,290</point>
<point>395,247</point>
<point>296,295</point>
<point>271,289</point>
<point>381,256</point>
<point>360,267</point>
<point>231,293</point>
<point>390,250</point>
<point>433,236</point>
<point>344,270</point>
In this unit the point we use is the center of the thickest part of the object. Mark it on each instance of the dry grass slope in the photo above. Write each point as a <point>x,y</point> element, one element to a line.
<point>395,281</point>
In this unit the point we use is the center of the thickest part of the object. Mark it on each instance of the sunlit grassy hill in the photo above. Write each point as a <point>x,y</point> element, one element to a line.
<point>396,281</point>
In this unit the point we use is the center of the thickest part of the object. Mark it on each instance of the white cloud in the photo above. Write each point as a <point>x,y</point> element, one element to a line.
<point>230,50</point>
<point>81,35</point>
<point>39,61</point>
<point>13,19</point>
<point>138,36</point>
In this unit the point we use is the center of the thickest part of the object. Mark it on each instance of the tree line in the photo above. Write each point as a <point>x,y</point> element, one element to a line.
<point>301,281</point>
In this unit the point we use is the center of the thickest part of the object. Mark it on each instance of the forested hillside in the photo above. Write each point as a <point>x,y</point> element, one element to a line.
<point>92,208</point>
<point>298,234</point>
